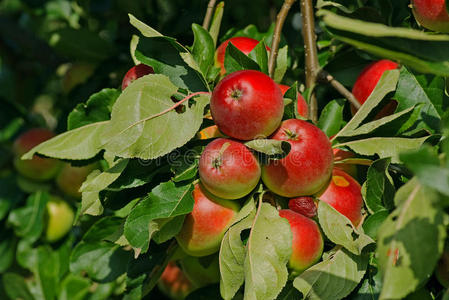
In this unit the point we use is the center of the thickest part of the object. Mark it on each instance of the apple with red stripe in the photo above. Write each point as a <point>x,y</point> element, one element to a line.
<point>431,14</point>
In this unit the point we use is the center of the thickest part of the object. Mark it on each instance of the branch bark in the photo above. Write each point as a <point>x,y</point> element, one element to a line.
<point>280,19</point>
<point>209,12</point>
<point>311,56</point>
<point>328,78</point>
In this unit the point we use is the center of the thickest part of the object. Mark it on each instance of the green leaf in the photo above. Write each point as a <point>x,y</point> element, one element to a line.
<point>96,109</point>
<point>384,146</point>
<point>185,167</point>
<point>410,240</point>
<point>236,60</point>
<point>10,195</point>
<point>333,278</point>
<point>281,64</point>
<point>74,287</point>
<point>340,230</point>
<point>331,118</point>
<point>165,201</point>
<point>132,48</point>
<point>139,128</point>
<point>7,249</point>
<point>144,29</point>
<point>46,272</point>
<point>260,56</point>
<point>102,261</point>
<point>214,29</point>
<point>77,144</point>
<point>16,287</point>
<point>169,229</point>
<point>371,285</point>
<point>232,258</point>
<point>273,149</point>
<point>269,248</point>
<point>427,53</point>
<point>375,187</point>
<point>373,222</point>
<point>105,229</point>
<point>203,49</point>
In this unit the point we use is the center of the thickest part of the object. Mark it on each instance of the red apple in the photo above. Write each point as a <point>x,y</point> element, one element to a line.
<point>303,109</point>
<point>201,271</point>
<point>431,14</point>
<point>59,219</point>
<point>205,226</point>
<point>38,168</point>
<point>304,205</point>
<point>308,166</point>
<point>341,154</point>
<point>134,73</point>
<point>70,179</point>
<point>244,44</point>
<point>228,169</point>
<point>247,104</point>
<point>367,81</point>
<point>307,242</point>
<point>344,194</point>
<point>173,282</point>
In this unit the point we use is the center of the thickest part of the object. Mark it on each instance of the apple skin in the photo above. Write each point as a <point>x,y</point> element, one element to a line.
<point>367,81</point>
<point>307,242</point>
<point>344,194</point>
<point>308,166</point>
<point>228,169</point>
<point>431,14</point>
<point>174,283</point>
<point>205,226</point>
<point>38,168</point>
<point>244,44</point>
<point>303,109</point>
<point>340,154</point>
<point>60,218</point>
<point>246,105</point>
<point>134,73</point>
<point>201,272</point>
<point>304,205</point>
<point>70,178</point>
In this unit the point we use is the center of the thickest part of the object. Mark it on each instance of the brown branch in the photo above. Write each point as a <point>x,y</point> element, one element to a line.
<point>311,56</point>
<point>209,12</point>
<point>328,78</point>
<point>280,19</point>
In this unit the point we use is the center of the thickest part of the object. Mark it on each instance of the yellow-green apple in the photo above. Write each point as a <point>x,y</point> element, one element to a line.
<point>303,109</point>
<point>431,14</point>
<point>134,73</point>
<point>307,244</point>
<point>38,168</point>
<point>228,169</point>
<point>70,178</point>
<point>247,104</point>
<point>173,282</point>
<point>201,271</point>
<point>344,194</point>
<point>59,219</point>
<point>205,226</point>
<point>307,168</point>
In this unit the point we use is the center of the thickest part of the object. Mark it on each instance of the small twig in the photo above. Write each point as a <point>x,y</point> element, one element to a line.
<point>209,12</point>
<point>328,78</point>
<point>311,56</point>
<point>280,19</point>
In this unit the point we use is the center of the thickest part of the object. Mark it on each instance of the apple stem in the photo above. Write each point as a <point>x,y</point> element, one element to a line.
<point>280,19</point>
<point>209,12</point>
<point>311,56</point>
<point>328,78</point>
<point>218,161</point>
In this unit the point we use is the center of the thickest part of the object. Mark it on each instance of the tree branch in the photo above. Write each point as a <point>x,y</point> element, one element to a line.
<point>280,19</point>
<point>311,56</point>
<point>209,12</point>
<point>328,78</point>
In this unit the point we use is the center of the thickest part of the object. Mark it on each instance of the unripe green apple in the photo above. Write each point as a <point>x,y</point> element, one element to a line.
<point>201,271</point>
<point>431,14</point>
<point>307,244</point>
<point>173,282</point>
<point>205,226</point>
<point>228,169</point>
<point>70,178</point>
<point>60,218</point>
<point>38,168</point>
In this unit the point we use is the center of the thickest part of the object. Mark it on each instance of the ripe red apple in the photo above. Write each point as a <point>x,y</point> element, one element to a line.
<point>304,205</point>
<point>134,73</point>
<point>307,240</point>
<point>431,14</point>
<point>201,271</point>
<point>70,178</point>
<point>228,169</point>
<point>367,81</point>
<point>173,282</point>
<point>244,44</point>
<point>341,154</point>
<point>38,168</point>
<point>247,104</point>
<point>308,166</point>
<point>59,219</point>
<point>205,226</point>
<point>303,109</point>
<point>344,194</point>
